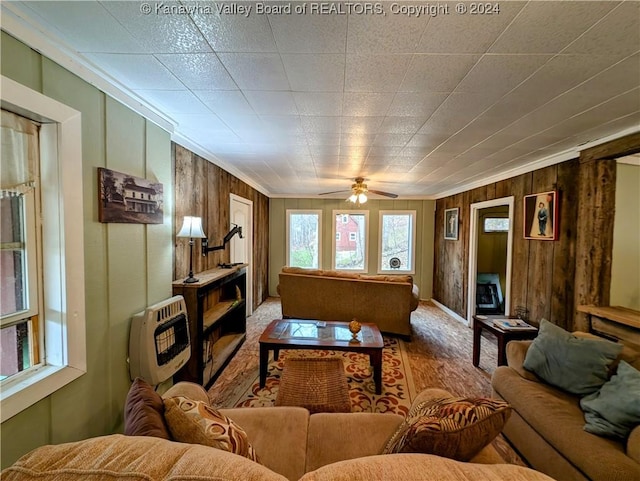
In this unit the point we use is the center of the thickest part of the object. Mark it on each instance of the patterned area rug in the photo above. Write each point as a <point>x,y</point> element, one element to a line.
<point>398,389</point>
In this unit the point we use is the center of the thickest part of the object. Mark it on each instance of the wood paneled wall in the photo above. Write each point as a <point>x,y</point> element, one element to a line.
<point>543,271</point>
<point>202,189</point>
<point>549,278</point>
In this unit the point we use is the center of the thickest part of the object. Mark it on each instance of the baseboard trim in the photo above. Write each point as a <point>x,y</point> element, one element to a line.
<point>455,315</point>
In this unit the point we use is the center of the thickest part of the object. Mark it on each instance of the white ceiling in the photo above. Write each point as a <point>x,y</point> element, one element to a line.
<point>299,104</point>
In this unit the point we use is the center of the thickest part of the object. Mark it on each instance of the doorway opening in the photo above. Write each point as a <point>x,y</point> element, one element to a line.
<point>241,213</point>
<point>490,244</point>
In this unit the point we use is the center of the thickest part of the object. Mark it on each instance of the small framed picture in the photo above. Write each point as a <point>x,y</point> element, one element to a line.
<point>541,216</point>
<point>451,223</point>
<point>127,199</point>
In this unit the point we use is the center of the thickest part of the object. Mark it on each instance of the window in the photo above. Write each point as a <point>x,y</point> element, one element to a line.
<point>351,244</point>
<point>43,312</point>
<point>495,224</point>
<point>397,242</point>
<point>303,238</point>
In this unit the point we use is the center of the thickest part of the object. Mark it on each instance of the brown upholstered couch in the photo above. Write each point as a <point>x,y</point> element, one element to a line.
<point>291,445</point>
<point>341,296</point>
<point>546,426</point>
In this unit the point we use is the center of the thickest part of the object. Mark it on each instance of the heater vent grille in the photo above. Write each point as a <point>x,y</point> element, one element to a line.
<point>159,343</point>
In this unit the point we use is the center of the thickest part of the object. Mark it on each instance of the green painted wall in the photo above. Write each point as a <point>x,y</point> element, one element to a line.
<point>127,266</point>
<point>625,262</point>
<point>425,210</point>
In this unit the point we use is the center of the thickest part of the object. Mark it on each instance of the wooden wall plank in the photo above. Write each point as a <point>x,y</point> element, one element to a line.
<point>520,186</point>
<point>564,261</point>
<point>540,266</point>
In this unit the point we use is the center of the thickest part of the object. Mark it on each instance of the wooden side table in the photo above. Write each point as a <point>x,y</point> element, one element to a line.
<point>503,336</point>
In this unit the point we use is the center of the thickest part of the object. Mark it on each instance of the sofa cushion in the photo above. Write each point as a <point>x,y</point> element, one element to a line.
<point>134,458</point>
<point>615,409</point>
<point>420,467</point>
<point>453,427</point>
<point>577,365</point>
<point>196,422</point>
<point>144,411</point>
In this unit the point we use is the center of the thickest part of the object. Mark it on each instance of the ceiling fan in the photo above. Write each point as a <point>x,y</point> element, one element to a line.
<point>359,192</point>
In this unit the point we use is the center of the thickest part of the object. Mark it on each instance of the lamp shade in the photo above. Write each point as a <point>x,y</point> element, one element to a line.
<point>192,228</point>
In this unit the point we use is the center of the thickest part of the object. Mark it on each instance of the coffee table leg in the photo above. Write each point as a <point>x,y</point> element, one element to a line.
<point>276,354</point>
<point>376,361</point>
<point>477,329</point>
<point>264,363</point>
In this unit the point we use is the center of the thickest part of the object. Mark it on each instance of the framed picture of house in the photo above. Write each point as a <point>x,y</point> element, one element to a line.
<point>124,198</point>
<point>541,216</point>
<point>451,223</point>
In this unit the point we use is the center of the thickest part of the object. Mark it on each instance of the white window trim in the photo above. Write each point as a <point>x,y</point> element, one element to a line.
<point>63,319</point>
<point>317,212</point>
<point>366,239</point>
<point>381,269</point>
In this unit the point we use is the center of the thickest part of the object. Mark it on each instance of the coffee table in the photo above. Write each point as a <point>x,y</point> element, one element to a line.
<point>334,336</point>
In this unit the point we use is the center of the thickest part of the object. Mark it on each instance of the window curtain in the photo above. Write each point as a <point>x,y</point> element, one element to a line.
<point>19,154</point>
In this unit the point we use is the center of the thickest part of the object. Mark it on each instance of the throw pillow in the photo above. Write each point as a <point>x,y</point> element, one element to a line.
<point>144,411</point>
<point>614,410</point>
<point>577,365</point>
<point>456,428</point>
<point>196,422</point>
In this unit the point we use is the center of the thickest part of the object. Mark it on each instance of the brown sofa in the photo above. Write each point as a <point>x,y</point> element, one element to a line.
<point>341,296</point>
<point>291,445</point>
<point>546,426</point>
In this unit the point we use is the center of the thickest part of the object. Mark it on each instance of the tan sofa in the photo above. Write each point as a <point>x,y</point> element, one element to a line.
<point>291,445</point>
<point>546,426</point>
<point>341,296</point>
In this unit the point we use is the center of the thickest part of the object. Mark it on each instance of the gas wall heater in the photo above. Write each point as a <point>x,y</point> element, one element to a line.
<point>159,342</point>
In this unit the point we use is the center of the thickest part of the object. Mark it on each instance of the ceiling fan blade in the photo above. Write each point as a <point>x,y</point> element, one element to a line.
<point>386,194</point>
<point>334,192</point>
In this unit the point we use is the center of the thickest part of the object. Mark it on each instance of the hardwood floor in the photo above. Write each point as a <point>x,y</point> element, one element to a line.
<point>439,356</point>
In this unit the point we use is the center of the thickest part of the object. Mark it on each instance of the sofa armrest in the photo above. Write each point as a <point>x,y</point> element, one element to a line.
<point>189,390</point>
<point>633,444</point>
<point>516,352</point>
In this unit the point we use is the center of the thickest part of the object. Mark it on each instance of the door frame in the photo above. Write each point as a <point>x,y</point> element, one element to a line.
<point>247,233</point>
<point>473,253</point>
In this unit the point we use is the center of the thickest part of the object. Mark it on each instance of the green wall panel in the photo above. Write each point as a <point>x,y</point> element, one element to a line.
<point>28,71</point>
<point>159,252</point>
<point>25,431</point>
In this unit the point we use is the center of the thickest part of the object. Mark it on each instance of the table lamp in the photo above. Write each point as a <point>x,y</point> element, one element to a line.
<point>191,228</point>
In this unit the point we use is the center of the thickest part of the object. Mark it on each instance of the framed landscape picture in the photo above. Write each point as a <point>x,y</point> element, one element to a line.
<point>541,216</point>
<point>451,223</point>
<point>128,199</point>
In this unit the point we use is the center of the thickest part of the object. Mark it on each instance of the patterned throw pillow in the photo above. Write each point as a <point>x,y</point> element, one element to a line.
<point>195,422</point>
<point>456,428</point>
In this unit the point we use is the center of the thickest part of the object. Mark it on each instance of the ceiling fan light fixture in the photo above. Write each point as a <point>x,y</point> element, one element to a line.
<point>353,198</point>
<point>362,198</point>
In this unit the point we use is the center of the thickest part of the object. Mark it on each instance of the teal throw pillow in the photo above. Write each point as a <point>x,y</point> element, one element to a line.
<point>577,365</point>
<point>614,410</point>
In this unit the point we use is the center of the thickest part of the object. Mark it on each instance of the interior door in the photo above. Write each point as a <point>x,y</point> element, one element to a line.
<point>241,250</point>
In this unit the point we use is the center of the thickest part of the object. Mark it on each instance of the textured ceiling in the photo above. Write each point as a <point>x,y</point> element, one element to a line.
<point>301,103</point>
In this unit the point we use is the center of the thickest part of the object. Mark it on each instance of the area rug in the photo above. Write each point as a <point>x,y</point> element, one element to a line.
<point>398,390</point>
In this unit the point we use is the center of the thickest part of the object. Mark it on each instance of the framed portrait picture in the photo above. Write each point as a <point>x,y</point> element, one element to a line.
<point>451,223</point>
<point>541,216</point>
<point>127,199</point>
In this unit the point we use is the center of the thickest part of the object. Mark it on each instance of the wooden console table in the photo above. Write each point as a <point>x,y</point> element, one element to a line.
<point>216,308</point>
<point>618,323</point>
<point>503,336</point>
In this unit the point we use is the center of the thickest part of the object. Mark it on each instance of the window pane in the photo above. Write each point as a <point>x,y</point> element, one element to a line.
<point>13,287</point>
<point>396,242</point>
<point>304,234</point>
<point>350,243</point>
<point>496,224</point>
<point>15,355</point>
